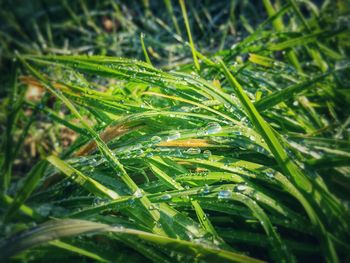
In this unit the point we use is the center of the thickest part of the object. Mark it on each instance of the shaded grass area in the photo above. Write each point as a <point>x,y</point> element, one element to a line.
<point>173,131</point>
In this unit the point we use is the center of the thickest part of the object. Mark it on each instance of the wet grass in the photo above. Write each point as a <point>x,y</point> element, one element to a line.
<point>132,143</point>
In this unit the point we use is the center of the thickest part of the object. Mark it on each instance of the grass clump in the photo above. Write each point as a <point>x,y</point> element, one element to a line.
<point>233,146</point>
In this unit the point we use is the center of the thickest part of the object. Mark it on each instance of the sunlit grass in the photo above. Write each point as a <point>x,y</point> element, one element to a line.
<point>239,154</point>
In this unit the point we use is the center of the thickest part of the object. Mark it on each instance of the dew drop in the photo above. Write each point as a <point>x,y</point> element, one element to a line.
<point>158,224</point>
<point>212,128</point>
<point>156,139</point>
<point>193,151</point>
<point>224,194</point>
<point>185,198</point>
<point>138,152</point>
<point>119,228</point>
<point>270,174</point>
<point>44,210</point>
<point>207,153</point>
<point>138,193</point>
<point>206,189</point>
<point>343,64</point>
<point>241,187</point>
<point>149,155</point>
<point>166,197</point>
<point>185,109</point>
<point>98,201</point>
<point>174,136</point>
<point>200,132</point>
<point>227,105</point>
<point>237,133</point>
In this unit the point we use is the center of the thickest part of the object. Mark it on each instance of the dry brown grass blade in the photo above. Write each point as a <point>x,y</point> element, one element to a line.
<point>107,135</point>
<point>186,143</point>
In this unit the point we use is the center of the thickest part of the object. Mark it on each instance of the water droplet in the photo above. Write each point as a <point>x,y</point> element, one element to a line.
<point>270,174</point>
<point>200,132</point>
<point>166,197</point>
<point>83,160</point>
<point>185,108</point>
<point>158,224</point>
<point>119,228</point>
<point>156,139</point>
<point>224,194</point>
<point>98,201</point>
<point>138,193</point>
<point>44,210</point>
<point>237,133</point>
<point>212,128</point>
<point>127,154</point>
<point>138,152</point>
<point>207,153</point>
<point>149,155</point>
<point>206,189</point>
<point>185,198</point>
<point>240,187</point>
<point>137,146</point>
<point>173,136</point>
<point>193,151</point>
<point>342,64</point>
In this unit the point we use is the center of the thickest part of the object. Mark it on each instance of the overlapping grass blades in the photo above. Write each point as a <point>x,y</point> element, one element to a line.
<point>240,156</point>
<point>267,141</point>
<point>70,227</point>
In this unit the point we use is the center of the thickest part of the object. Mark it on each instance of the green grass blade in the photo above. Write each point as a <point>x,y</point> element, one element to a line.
<point>29,185</point>
<point>81,179</point>
<point>69,227</point>
<point>281,95</point>
<point>78,250</point>
<point>286,164</point>
<point>142,39</point>
<point>187,24</point>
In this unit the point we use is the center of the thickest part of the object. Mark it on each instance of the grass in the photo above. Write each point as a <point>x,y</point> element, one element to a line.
<point>121,140</point>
